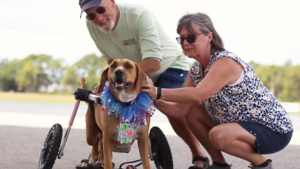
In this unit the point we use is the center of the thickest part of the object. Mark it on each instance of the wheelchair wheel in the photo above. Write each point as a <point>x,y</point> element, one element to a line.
<point>51,147</point>
<point>160,149</point>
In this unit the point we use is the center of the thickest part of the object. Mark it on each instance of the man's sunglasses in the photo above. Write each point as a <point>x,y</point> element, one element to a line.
<point>189,38</point>
<point>100,10</point>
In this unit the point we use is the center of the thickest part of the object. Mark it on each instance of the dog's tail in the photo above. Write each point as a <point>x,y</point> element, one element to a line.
<point>91,108</point>
<point>82,82</point>
<point>83,85</point>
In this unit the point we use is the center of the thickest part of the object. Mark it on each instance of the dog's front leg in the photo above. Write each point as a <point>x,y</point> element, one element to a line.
<point>107,151</point>
<point>143,144</point>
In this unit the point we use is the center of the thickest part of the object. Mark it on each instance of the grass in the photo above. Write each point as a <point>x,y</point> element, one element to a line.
<point>37,97</point>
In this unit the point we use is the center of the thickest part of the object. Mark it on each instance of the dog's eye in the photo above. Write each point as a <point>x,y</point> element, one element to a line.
<point>127,65</point>
<point>113,65</point>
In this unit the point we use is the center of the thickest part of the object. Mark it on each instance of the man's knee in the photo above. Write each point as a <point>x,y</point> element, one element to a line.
<point>172,78</point>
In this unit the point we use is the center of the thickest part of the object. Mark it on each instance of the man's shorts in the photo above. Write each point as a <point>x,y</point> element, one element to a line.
<point>172,78</point>
<point>267,140</point>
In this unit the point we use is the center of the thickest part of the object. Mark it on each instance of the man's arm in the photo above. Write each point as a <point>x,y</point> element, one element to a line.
<point>150,65</point>
<point>150,43</point>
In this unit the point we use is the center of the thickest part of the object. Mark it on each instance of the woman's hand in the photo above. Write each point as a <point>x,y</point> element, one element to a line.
<point>149,88</point>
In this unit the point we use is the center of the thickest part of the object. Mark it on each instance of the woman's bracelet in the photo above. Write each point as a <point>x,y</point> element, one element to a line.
<point>158,93</point>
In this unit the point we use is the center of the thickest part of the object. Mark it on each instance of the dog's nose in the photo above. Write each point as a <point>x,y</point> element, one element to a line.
<point>119,73</point>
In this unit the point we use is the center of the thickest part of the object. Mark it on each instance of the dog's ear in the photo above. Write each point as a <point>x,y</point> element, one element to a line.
<point>103,79</point>
<point>141,77</point>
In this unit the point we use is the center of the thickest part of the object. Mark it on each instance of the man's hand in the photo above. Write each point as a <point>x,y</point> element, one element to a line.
<point>149,88</point>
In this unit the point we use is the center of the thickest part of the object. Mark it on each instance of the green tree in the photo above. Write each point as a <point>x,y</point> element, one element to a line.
<point>291,89</point>
<point>70,80</point>
<point>37,71</point>
<point>272,77</point>
<point>25,77</point>
<point>90,67</point>
<point>55,71</point>
<point>254,65</point>
<point>8,72</point>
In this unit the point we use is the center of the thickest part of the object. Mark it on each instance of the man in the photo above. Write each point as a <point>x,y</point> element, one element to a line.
<point>132,32</point>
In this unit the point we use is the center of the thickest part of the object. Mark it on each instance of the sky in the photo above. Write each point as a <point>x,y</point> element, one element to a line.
<point>264,31</point>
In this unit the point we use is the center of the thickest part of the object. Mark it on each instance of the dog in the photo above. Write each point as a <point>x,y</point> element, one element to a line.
<point>114,125</point>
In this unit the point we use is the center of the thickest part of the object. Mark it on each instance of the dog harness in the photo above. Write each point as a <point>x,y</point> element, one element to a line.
<point>131,115</point>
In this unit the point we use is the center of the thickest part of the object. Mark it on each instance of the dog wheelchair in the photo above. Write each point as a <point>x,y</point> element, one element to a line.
<point>52,148</point>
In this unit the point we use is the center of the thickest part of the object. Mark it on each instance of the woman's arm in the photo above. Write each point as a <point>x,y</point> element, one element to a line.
<point>222,72</point>
<point>172,109</point>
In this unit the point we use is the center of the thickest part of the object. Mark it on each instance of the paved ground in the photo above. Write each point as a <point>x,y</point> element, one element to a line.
<point>20,148</point>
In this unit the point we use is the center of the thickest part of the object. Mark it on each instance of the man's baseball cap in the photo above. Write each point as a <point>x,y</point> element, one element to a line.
<point>86,4</point>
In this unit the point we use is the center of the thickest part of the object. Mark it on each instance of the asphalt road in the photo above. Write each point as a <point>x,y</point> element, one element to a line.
<point>20,148</point>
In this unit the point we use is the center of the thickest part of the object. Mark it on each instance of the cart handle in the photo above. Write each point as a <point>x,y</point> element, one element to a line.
<point>87,95</point>
<point>80,95</point>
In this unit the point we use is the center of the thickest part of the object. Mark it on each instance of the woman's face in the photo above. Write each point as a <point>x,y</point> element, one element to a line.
<point>195,46</point>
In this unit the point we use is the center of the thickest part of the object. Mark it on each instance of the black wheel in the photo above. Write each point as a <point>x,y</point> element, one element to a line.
<point>51,147</point>
<point>160,149</point>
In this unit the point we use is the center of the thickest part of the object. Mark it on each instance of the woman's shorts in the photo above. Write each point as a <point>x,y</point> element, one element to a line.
<point>172,78</point>
<point>267,141</point>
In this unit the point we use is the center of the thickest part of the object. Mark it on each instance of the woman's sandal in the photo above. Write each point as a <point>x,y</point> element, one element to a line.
<point>205,161</point>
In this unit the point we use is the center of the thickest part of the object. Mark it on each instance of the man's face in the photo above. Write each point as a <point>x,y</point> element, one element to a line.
<point>103,15</point>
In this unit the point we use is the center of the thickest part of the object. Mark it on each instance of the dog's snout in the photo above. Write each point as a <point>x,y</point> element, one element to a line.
<point>119,74</point>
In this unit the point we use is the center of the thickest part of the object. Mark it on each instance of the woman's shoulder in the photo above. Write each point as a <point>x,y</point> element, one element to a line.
<point>224,53</point>
<point>228,54</point>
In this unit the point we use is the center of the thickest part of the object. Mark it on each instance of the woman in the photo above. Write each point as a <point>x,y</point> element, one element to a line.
<point>227,107</point>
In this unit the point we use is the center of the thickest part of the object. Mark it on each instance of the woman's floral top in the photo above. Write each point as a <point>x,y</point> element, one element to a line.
<point>248,100</point>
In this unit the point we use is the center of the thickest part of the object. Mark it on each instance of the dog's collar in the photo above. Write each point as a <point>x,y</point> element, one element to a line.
<point>134,111</point>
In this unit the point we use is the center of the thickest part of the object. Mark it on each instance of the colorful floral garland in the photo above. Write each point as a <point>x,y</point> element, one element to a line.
<point>130,115</point>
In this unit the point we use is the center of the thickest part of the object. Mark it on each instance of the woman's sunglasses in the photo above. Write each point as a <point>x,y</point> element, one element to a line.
<point>189,38</point>
<point>99,10</point>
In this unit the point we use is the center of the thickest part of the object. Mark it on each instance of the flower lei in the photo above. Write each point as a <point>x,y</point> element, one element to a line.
<point>136,112</point>
<point>130,115</point>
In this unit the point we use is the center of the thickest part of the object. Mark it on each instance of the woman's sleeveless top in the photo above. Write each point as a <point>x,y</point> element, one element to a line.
<point>248,100</point>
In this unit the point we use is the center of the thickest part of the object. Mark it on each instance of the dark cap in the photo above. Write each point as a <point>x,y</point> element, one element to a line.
<point>86,4</point>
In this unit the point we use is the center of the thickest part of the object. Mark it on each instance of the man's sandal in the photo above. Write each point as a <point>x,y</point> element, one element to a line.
<point>89,166</point>
<point>205,161</point>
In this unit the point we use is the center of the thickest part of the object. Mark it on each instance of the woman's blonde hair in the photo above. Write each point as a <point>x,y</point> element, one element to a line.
<point>205,25</point>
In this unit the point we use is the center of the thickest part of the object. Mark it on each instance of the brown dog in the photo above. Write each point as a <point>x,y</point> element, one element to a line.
<point>123,79</point>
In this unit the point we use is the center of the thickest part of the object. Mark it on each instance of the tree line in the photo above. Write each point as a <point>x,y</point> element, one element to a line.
<point>43,73</point>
